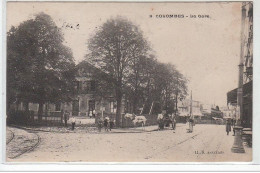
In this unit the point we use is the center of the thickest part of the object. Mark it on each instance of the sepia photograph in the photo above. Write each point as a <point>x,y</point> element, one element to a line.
<point>129,82</point>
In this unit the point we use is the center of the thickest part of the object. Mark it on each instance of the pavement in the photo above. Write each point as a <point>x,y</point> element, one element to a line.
<point>89,129</point>
<point>208,143</point>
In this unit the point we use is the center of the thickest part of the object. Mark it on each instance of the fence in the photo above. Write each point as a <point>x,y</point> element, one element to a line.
<point>30,118</point>
<point>20,117</point>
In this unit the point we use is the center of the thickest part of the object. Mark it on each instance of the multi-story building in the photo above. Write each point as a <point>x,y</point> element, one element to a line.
<point>87,101</point>
<point>186,108</point>
<point>246,67</point>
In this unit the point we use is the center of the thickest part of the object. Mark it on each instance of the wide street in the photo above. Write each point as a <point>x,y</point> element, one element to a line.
<point>208,143</point>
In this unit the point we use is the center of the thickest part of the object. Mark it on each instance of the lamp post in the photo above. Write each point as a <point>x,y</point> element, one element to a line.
<point>238,144</point>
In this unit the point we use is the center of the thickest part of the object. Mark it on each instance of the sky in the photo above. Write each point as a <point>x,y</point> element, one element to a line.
<point>205,50</point>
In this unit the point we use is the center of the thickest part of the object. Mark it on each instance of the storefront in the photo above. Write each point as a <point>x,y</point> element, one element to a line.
<point>247,103</point>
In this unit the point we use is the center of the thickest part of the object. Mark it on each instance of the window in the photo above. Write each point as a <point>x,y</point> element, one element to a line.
<point>92,85</point>
<point>112,106</point>
<point>91,107</point>
<point>58,107</point>
<point>79,85</point>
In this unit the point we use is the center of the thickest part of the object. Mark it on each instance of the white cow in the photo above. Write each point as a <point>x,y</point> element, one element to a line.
<point>137,119</point>
<point>160,117</point>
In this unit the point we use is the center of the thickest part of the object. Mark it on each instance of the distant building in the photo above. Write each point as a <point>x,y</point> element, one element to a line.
<point>184,108</point>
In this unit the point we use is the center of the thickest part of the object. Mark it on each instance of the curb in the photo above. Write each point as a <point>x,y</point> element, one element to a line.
<point>126,131</point>
<point>30,149</point>
<point>38,130</point>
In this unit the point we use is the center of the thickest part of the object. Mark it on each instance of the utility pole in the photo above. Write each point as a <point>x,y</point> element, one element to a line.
<point>191,104</point>
<point>102,108</point>
<point>238,145</point>
<point>176,99</point>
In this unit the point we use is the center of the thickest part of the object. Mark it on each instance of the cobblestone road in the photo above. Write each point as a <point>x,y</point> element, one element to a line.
<point>207,143</point>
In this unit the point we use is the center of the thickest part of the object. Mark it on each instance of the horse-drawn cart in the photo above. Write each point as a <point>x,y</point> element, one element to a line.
<point>165,121</point>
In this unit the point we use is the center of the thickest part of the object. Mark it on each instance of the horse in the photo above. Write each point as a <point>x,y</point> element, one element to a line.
<point>137,119</point>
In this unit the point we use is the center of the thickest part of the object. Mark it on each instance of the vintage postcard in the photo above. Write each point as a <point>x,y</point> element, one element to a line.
<point>129,81</point>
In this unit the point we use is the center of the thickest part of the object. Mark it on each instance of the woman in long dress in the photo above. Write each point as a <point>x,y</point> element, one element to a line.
<point>191,124</point>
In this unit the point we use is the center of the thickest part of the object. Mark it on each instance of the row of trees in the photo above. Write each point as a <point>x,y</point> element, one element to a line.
<point>119,49</point>
<point>41,69</point>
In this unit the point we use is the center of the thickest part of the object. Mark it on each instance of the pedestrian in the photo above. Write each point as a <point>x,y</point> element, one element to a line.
<point>228,126</point>
<point>66,117</point>
<point>94,113</point>
<point>174,124</point>
<point>233,123</point>
<point>160,120</point>
<point>111,123</point>
<point>73,122</point>
<point>99,123</point>
<point>191,123</point>
<point>62,115</point>
<point>106,123</point>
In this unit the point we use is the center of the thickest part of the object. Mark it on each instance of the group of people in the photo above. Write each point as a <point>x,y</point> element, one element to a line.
<point>229,123</point>
<point>165,119</point>
<point>65,116</point>
<point>107,122</point>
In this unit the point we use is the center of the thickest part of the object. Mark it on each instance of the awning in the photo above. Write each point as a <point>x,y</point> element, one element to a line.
<point>247,91</point>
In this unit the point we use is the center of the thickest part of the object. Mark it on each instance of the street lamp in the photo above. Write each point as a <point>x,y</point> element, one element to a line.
<point>238,144</point>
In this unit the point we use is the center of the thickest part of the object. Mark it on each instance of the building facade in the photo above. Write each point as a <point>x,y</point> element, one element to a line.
<point>87,101</point>
<point>246,68</point>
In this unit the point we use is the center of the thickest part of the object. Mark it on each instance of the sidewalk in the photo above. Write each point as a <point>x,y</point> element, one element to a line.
<point>135,130</point>
<point>86,129</point>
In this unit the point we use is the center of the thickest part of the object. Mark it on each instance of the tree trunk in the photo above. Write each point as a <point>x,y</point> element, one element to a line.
<point>40,111</point>
<point>17,105</point>
<point>135,102</point>
<point>26,105</point>
<point>118,108</point>
<point>176,105</point>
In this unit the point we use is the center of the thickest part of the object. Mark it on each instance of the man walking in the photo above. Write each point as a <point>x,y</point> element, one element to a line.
<point>228,126</point>
<point>66,117</point>
<point>106,124</point>
<point>174,124</point>
<point>99,123</point>
<point>111,123</point>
